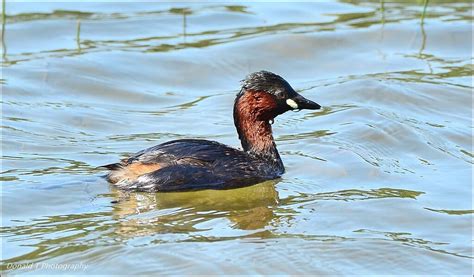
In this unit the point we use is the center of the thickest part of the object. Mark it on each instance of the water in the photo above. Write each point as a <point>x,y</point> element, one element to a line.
<point>378,181</point>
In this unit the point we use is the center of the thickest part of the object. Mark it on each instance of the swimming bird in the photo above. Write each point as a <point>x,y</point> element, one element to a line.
<point>195,164</point>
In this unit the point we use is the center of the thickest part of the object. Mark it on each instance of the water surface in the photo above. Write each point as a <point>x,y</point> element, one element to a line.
<point>378,181</point>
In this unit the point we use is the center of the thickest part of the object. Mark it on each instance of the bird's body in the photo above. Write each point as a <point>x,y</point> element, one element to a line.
<point>192,164</point>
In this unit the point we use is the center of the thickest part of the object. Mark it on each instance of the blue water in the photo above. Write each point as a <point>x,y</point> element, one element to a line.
<point>377,182</point>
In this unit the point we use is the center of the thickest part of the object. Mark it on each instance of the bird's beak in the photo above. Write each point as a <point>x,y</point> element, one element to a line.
<point>299,103</point>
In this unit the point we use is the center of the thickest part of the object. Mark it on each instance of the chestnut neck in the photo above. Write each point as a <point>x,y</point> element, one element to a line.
<point>252,113</point>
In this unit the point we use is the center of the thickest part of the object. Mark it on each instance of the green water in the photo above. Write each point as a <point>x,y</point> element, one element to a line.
<point>378,182</point>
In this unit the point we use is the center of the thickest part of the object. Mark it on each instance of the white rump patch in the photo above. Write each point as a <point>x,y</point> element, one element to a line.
<point>145,179</point>
<point>292,103</point>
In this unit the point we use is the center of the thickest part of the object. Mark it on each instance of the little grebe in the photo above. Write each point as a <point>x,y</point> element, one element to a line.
<point>194,164</point>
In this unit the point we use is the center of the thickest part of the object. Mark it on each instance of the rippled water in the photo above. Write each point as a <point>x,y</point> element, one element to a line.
<point>379,181</point>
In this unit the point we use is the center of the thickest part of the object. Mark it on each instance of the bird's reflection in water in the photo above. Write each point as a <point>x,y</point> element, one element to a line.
<point>248,208</point>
